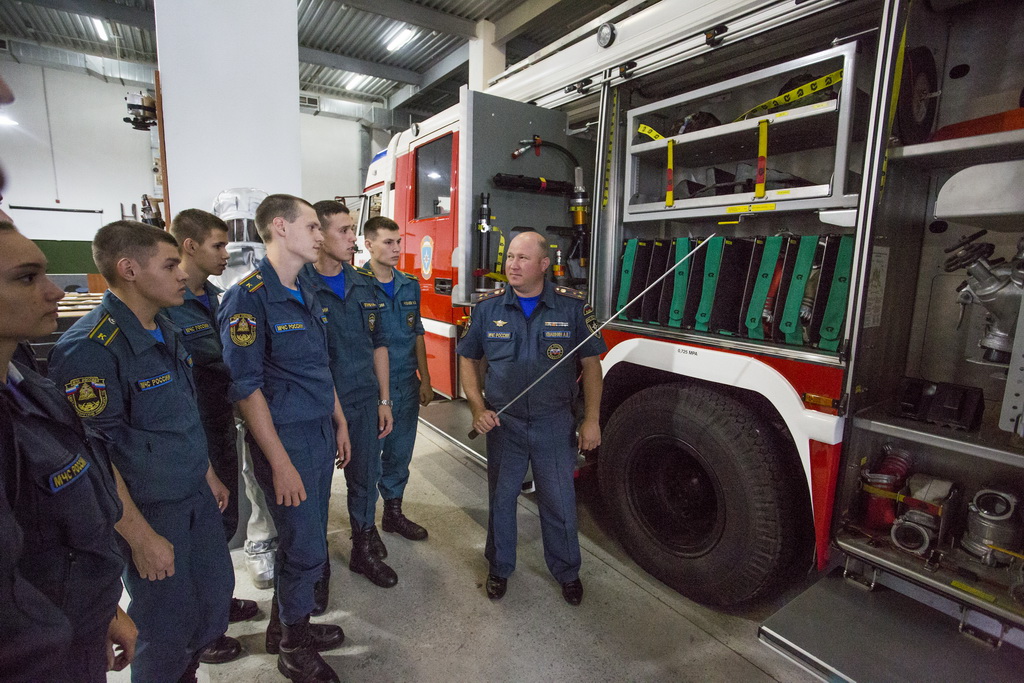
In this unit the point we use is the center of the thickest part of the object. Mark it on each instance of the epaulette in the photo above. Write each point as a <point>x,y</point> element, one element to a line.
<point>571,293</point>
<point>365,271</point>
<point>490,295</point>
<point>252,281</point>
<point>409,275</point>
<point>105,331</point>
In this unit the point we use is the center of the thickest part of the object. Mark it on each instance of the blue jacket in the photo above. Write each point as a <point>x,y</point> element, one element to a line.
<point>140,394</point>
<point>402,325</point>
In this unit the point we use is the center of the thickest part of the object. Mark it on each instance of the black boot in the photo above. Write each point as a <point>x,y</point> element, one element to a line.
<point>365,562</point>
<point>299,661</point>
<point>396,522</point>
<point>376,545</point>
<point>189,676</point>
<point>323,636</point>
<point>322,591</point>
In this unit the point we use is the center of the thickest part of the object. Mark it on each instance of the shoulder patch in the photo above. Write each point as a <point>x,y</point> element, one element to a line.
<point>87,395</point>
<point>252,281</point>
<point>242,329</point>
<point>571,293</point>
<point>365,271</point>
<point>590,318</point>
<point>105,331</point>
<point>409,275</point>
<point>490,295</point>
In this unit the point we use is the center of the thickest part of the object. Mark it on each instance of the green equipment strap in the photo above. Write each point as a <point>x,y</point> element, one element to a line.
<point>763,284</point>
<point>789,324</point>
<point>682,277</point>
<point>835,309</point>
<point>712,263</point>
<point>628,258</point>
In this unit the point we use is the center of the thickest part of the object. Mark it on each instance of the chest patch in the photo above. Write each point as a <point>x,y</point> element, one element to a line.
<point>499,335</point>
<point>372,321</point>
<point>154,382</point>
<point>555,351</point>
<point>242,329</point>
<point>555,323</point>
<point>87,395</point>
<point>196,329</point>
<point>289,327</point>
<point>410,319</point>
<point>557,334</point>
<point>67,474</point>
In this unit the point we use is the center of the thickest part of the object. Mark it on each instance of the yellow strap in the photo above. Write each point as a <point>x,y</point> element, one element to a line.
<point>762,159</point>
<point>795,94</point>
<point>669,190</point>
<point>644,129</point>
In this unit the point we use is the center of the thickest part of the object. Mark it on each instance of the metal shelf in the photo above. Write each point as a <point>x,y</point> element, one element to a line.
<point>977,149</point>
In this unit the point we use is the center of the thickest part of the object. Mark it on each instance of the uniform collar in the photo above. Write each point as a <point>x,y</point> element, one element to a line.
<point>547,296</point>
<point>315,280</point>
<point>275,290</point>
<point>139,338</point>
<point>211,290</point>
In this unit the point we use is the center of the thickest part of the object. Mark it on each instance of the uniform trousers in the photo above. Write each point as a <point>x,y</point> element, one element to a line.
<point>181,614</point>
<point>398,445</point>
<point>260,526</point>
<point>221,441</point>
<point>548,443</point>
<point>363,472</point>
<point>302,529</point>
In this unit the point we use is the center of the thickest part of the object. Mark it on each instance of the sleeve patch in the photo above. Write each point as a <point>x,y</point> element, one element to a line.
<point>87,395</point>
<point>590,318</point>
<point>68,474</point>
<point>242,329</point>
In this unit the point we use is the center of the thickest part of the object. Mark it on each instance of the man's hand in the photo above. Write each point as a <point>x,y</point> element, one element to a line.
<point>220,491</point>
<point>485,420</point>
<point>154,557</point>
<point>590,435</point>
<point>288,488</point>
<point>344,446</point>
<point>385,421</point>
<point>121,637</point>
<point>426,392</point>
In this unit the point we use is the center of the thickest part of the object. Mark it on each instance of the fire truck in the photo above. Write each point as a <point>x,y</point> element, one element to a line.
<point>832,378</point>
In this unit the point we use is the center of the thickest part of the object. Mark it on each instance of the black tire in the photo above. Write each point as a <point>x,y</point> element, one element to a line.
<point>915,110</point>
<point>700,490</point>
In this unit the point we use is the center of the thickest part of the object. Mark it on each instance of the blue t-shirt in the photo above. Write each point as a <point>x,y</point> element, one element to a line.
<point>157,334</point>
<point>297,294</point>
<point>529,303</point>
<point>204,299</point>
<point>389,288</point>
<point>336,283</point>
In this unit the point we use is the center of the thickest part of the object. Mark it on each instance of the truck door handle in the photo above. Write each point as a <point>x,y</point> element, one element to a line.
<point>443,285</point>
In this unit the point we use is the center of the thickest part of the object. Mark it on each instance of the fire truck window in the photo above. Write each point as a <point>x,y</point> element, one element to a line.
<point>434,178</point>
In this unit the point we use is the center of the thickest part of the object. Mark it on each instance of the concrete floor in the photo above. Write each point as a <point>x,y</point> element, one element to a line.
<point>438,625</point>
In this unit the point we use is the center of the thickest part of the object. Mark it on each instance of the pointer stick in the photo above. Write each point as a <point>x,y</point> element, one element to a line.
<point>473,434</point>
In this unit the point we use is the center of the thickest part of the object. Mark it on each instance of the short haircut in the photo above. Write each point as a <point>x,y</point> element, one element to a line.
<point>376,224</point>
<point>196,225</point>
<point>327,208</point>
<point>539,240</point>
<point>126,239</point>
<point>284,205</point>
<point>7,227</point>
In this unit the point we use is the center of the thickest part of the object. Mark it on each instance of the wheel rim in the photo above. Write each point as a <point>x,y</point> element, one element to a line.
<point>675,495</point>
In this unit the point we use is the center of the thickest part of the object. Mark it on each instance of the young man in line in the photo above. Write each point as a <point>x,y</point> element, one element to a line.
<point>409,375</point>
<point>274,334</point>
<point>126,372</point>
<point>203,240</point>
<point>58,501</point>
<point>521,331</point>
<point>359,365</point>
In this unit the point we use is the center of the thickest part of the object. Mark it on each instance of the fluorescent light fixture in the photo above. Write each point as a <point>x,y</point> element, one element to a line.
<point>355,81</point>
<point>100,30</point>
<point>434,175</point>
<point>6,120</point>
<point>401,39</point>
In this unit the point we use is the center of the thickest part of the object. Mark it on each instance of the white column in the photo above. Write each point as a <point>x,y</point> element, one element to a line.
<point>229,73</point>
<point>486,60</point>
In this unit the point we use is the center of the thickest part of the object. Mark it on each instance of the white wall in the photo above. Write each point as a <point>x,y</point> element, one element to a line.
<point>100,161</point>
<point>330,158</point>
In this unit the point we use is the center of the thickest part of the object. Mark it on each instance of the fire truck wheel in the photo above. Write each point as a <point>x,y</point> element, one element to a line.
<point>697,488</point>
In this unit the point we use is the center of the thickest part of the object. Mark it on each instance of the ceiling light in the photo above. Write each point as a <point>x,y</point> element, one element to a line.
<point>6,120</point>
<point>401,39</point>
<point>434,175</point>
<point>355,81</point>
<point>100,30</point>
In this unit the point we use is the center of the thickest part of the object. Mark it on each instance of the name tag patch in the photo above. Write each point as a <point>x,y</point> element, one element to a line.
<point>557,334</point>
<point>68,474</point>
<point>196,329</point>
<point>154,382</point>
<point>289,327</point>
<point>409,303</point>
<point>499,335</point>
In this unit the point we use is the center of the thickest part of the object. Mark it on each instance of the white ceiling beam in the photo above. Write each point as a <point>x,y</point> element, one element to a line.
<point>522,19</point>
<point>417,15</point>
<point>129,16</point>
<point>440,71</point>
<point>359,66</point>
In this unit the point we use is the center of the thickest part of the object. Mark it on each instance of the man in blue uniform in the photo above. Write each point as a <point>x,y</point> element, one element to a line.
<point>359,366</point>
<point>203,240</point>
<point>521,332</point>
<point>57,485</point>
<point>409,375</point>
<point>273,329</point>
<point>123,368</point>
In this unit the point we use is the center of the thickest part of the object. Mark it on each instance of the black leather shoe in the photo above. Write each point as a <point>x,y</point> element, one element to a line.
<point>299,659</point>
<point>242,610</point>
<point>377,546</point>
<point>396,522</point>
<point>369,565</point>
<point>224,649</point>
<point>496,587</point>
<point>321,636</point>
<point>321,593</point>
<point>572,591</point>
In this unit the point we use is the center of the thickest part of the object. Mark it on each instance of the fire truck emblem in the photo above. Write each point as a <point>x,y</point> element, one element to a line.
<point>87,395</point>
<point>426,256</point>
<point>555,351</point>
<point>242,327</point>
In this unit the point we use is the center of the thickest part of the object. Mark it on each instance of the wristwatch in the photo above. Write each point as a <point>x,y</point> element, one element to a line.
<point>385,402</point>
